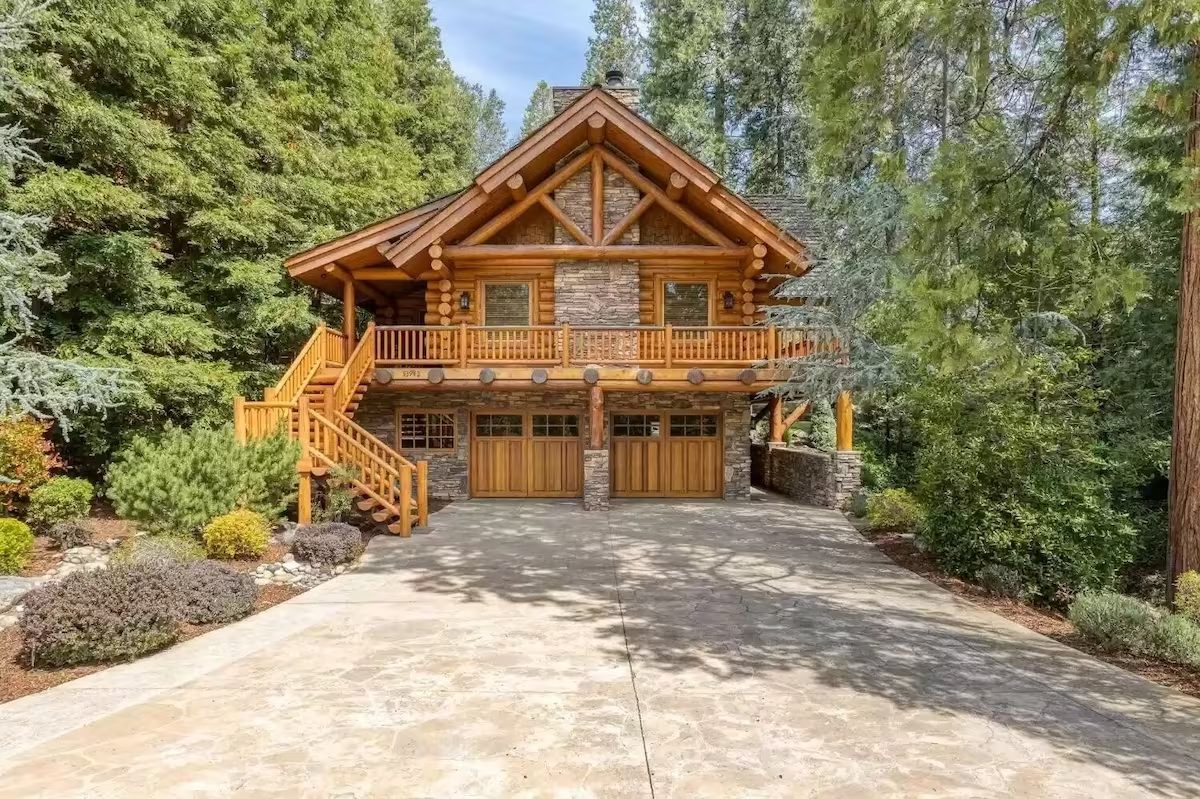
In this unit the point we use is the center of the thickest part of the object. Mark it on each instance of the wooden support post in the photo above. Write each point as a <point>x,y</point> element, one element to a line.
<point>422,493</point>
<point>328,402</point>
<point>304,499</point>
<point>566,345</point>
<point>676,185</point>
<point>516,185</point>
<point>462,345</point>
<point>668,345</point>
<point>239,419</point>
<point>596,418</point>
<point>772,345</point>
<point>597,198</point>
<point>406,498</point>
<point>845,423</point>
<point>775,434</point>
<point>797,412</point>
<point>596,124</point>
<point>349,316</point>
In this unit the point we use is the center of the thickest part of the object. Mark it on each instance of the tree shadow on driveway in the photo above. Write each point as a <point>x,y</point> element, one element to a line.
<point>769,604</point>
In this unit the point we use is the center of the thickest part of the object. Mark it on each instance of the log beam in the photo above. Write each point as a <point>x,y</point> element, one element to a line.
<point>510,214</point>
<point>370,292</point>
<point>596,418</point>
<point>795,415</point>
<point>595,125</point>
<point>618,230</point>
<point>349,316</point>
<point>568,224</point>
<point>776,430</point>
<point>845,422</point>
<point>647,186</point>
<point>609,252</point>
<point>597,197</point>
<point>676,186</point>
<point>516,187</point>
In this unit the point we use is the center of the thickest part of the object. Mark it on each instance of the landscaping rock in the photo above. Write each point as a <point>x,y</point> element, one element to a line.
<point>13,588</point>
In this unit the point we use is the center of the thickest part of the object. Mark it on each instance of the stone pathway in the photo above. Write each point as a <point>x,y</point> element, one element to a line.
<point>660,649</point>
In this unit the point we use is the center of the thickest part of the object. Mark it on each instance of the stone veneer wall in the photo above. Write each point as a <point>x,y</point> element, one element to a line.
<point>814,477</point>
<point>448,470</point>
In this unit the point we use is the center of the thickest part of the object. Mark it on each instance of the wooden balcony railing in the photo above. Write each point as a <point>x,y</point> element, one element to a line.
<point>569,345</point>
<point>323,348</point>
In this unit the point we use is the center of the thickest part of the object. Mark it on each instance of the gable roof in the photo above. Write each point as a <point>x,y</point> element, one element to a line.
<point>404,240</point>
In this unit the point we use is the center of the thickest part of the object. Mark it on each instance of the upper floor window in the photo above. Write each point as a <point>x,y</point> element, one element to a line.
<point>507,304</point>
<point>685,304</point>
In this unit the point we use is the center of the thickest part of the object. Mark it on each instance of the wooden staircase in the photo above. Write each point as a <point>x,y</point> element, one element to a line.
<point>315,402</point>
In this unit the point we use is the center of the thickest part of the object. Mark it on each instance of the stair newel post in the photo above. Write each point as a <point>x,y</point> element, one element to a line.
<point>422,493</point>
<point>772,342</point>
<point>406,491</point>
<point>462,345</point>
<point>239,419</point>
<point>566,345</point>
<point>304,501</point>
<point>668,357</point>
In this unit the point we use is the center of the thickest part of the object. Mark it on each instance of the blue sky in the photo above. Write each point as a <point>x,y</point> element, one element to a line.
<point>509,45</point>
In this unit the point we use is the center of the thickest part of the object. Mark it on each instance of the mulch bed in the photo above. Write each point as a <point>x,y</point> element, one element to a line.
<point>1046,621</point>
<point>17,679</point>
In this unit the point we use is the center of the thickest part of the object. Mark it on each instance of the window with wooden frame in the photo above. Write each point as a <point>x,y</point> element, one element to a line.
<point>429,430</point>
<point>507,303</point>
<point>686,303</point>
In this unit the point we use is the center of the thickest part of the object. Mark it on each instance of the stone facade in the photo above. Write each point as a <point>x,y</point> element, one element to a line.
<point>563,96</point>
<point>814,477</point>
<point>449,469</point>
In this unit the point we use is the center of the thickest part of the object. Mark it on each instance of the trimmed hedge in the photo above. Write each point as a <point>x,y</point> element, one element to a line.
<point>69,533</point>
<point>159,550</point>
<point>59,499</point>
<point>241,534</point>
<point>328,542</point>
<point>211,593</point>
<point>16,545</point>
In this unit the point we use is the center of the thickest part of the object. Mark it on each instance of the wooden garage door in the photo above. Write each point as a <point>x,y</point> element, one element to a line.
<point>666,455</point>
<point>526,455</point>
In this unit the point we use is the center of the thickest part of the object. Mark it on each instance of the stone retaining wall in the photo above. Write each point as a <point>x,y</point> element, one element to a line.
<point>814,477</point>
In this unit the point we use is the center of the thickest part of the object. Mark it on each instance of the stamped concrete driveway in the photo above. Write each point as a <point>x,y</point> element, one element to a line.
<point>686,649</point>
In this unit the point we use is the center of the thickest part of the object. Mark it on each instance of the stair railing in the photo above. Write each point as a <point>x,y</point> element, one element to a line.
<point>313,357</point>
<point>360,362</point>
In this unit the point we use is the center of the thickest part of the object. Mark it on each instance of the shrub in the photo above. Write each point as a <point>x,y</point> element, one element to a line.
<point>338,501</point>
<point>59,499</point>
<point>26,459</point>
<point>823,432</point>
<point>1187,595</point>
<point>330,543</point>
<point>893,509</point>
<point>1115,622</point>
<point>186,478</point>
<point>160,550</point>
<point>110,614</point>
<point>211,593</point>
<point>1000,580</point>
<point>241,534</point>
<point>1177,639</point>
<point>70,533</point>
<point>1011,470</point>
<point>16,545</point>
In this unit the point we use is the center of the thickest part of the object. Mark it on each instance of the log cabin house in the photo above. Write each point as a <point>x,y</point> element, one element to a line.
<point>584,320</point>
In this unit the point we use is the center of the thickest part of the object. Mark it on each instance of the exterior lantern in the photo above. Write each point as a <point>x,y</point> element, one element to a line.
<point>464,301</point>
<point>727,300</point>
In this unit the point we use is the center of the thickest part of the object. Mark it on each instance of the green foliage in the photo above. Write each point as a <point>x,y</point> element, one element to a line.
<point>1176,639</point>
<point>26,459</point>
<point>1115,622</point>
<point>59,499</point>
<point>211,593</point>
<point>823,432</point>
<point>158,550</point>
<point>16,545</point>
<point>893,509</point>
<point>184,479</point>
<point>1002,581</point>
<point>1009,472</point>
<point>337,500</point>
<point>616,42</point>
<point>1187,595</point>
<point>539,110</point>
<point>70,533</point>
<point>116,613</point>
<point>329,543</point>
<point>241,534</point>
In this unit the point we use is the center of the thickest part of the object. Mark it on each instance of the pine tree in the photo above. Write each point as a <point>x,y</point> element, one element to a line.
<point>616,42</point>
<point>539,110</point>
<point>491,135</point>
<point>31,382</point>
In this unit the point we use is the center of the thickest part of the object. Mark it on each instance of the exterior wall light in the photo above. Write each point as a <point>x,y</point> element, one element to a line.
<point>727,300</point>
<point>464,301</point>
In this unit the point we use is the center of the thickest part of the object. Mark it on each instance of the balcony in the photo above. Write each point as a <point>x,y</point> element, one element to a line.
<point>569,346</point>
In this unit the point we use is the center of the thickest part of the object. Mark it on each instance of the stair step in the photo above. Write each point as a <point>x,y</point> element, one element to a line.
<point>367,503</point>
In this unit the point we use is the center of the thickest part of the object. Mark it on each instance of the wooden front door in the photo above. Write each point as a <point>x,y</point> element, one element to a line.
<point>666,455</point>
<point>529,454</point>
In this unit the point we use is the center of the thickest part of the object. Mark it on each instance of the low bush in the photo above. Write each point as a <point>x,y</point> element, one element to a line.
<point>1177,639</point>
<point>337,501</point>
<point>110,614</point>
<point>211,593</point>
<point>182,480</point>
<point>16,545</point>
<point>823,430</point>
<point>1115,622</point>
<point>241,534</point>
<point>1187,595</point>
<point>26,459</point>
<point>160,550</point>
<point>1000,580</point>
<point>59,499</point>
<point>893,509</point>
<point>70,533</point>
<point>330,543</point>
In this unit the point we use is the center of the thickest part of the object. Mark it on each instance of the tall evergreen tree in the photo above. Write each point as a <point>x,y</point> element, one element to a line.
<point>491,135</point>
<point>616,42</point>
<point>539,110</point>
<point>188,147</point>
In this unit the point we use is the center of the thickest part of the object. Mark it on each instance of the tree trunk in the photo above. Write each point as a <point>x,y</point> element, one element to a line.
<point>1183,550</point>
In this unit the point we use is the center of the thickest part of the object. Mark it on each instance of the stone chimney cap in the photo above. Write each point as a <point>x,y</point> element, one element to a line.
<point>614,77</point>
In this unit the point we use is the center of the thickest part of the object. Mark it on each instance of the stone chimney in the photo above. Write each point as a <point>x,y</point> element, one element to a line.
<point>614,84</point>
